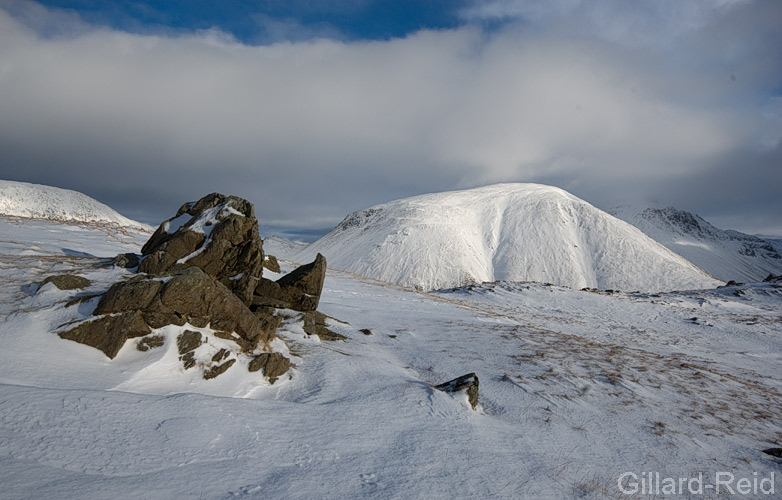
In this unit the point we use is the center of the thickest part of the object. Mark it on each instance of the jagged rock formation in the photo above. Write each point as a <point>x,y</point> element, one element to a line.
<point>133,308</point>
<point>203,268</point>
<point>217,233</point>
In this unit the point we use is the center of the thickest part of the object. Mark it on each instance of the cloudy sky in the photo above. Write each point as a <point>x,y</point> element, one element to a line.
<point>314,109</point>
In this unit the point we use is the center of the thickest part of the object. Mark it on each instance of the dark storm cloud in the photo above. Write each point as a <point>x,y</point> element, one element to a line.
<point>311,129</point>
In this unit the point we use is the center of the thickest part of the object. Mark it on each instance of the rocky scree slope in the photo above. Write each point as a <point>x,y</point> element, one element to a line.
<point>513,232</point>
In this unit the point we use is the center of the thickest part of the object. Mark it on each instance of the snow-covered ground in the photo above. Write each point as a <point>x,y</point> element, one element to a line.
<point>526,232</point>
<point>726,254</point>
<point>23,199</point>
<point>576,388</point>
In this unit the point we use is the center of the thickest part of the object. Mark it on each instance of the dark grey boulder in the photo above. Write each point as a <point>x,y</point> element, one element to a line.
<point>218,234</point>
<point>301,288</point>
<point>66,281</point>
<point>467,383</point>
<point>109,333</point>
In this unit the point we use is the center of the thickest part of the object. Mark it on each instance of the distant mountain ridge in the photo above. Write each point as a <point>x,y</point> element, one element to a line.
<point>23,199</point>
<point>514,232</point>
<point>725,254</point>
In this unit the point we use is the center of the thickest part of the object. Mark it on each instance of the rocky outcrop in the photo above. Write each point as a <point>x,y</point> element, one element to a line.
<point>301,288</point>
<point>66,282</point>
<point>467,383</point>
<point>109,333</point>
<point>217,233</point>
<point>185,296</point>
<point>298,290</point>
<point>202,269</point>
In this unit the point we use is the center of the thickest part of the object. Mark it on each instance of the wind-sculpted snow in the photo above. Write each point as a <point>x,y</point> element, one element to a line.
<point>22,199</point>
<point>727,255</point>
<point>577,388</point>
<point>517,232</point>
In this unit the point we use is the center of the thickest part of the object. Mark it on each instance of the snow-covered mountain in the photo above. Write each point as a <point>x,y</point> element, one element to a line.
<point>23,199</point>
<point>577,389</point>
<point>516,232</point>
<point>726,255</point>
<point>280,247</point>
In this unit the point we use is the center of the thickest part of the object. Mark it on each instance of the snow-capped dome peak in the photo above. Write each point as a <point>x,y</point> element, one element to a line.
<point>517,232</point>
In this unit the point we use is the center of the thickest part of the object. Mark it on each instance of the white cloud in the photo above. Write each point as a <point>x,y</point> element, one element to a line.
<point>341,125</point>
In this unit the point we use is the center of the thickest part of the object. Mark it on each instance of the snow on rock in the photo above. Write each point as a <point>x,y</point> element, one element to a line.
<point>727,255</point>
<point>516,232</point>
<point>22,199</point>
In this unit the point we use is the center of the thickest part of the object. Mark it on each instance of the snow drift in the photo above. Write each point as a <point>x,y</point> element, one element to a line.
<point>727,255</point>
<point>22,199</point>
<point>514,232</point>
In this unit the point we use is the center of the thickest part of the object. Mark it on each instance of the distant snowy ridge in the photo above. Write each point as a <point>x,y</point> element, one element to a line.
<point>725,254</point>
<point>22,199</point>
<point>514,232</point>
<point>280,247</point>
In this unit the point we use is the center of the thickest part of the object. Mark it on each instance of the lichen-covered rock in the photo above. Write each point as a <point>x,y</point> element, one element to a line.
<point>273,365</point>
<point>301,288</point>
<point>467,383</point>
<point>109,333</point>
<point>218,234</point>
<point>66,281</point>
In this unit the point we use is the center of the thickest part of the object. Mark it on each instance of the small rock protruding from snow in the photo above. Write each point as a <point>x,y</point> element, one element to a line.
<point>66,282</point>
<point>467,383</point>
<point>273,365</point>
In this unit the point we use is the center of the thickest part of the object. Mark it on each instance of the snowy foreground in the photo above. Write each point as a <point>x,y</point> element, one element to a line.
<point>576,388</point>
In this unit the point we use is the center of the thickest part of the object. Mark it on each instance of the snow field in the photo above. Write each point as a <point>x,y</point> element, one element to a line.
<point>576,388</point>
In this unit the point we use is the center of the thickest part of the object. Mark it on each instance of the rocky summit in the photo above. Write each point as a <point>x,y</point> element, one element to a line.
<point>217,233</point>
<point>203,268</point>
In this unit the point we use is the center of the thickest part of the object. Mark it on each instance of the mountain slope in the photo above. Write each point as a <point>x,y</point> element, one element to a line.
<point>22,199</point>
<point>576,389</point>
<point>726,255</point>
<point>517,232</point>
